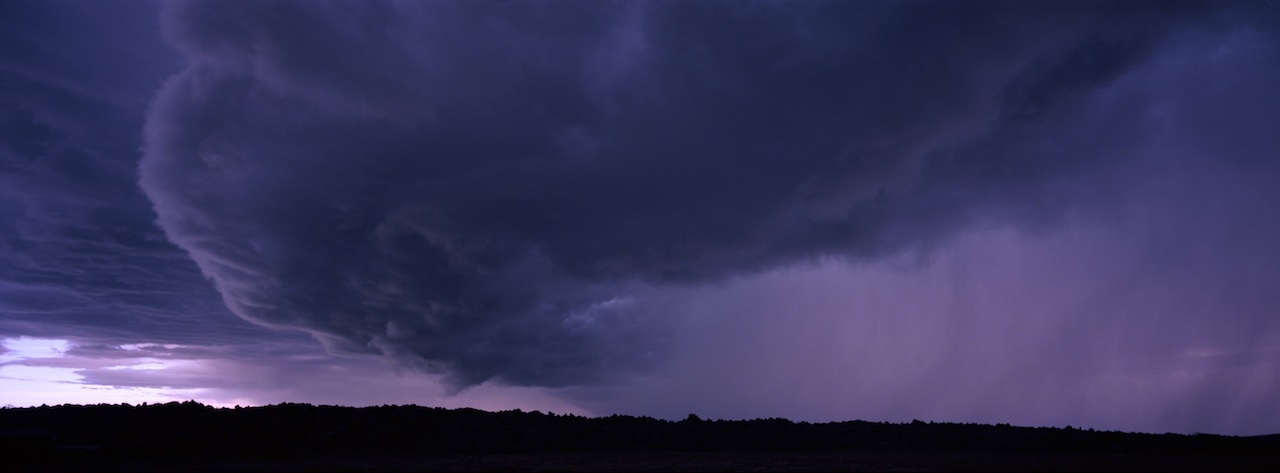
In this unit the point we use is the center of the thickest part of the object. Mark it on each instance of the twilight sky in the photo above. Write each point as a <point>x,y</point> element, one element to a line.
<point>1037,213</point>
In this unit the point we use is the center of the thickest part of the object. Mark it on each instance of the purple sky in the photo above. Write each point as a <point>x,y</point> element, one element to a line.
<point>1036,213</point>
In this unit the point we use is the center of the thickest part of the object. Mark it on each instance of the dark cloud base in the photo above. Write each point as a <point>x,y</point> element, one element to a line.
<point>507,191</point>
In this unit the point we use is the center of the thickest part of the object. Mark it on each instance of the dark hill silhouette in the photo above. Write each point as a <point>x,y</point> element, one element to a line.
<point>291,437</point>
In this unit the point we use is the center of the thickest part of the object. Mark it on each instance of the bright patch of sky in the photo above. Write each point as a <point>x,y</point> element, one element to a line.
<point>26,380</point>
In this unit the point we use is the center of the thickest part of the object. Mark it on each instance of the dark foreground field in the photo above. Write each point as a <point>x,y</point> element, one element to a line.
<point>297,437</point>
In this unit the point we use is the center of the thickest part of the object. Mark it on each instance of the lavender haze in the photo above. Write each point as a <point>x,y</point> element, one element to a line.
<point>1027,212</point>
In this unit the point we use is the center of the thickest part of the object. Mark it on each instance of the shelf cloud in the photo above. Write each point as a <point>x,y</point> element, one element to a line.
<point>503,191</point>
<point>1023,212</point>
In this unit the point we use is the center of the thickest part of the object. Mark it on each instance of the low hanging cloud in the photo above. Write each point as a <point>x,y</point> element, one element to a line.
<point>509,190</point>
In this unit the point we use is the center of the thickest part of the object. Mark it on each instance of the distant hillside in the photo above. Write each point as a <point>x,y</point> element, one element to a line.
<point>200,437</point>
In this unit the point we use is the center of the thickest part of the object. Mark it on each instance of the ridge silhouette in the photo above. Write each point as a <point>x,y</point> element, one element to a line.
<point>189,433</point>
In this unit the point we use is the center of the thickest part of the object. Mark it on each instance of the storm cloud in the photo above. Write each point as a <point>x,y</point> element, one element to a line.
<point>80,255</point>
<point>513,191</point>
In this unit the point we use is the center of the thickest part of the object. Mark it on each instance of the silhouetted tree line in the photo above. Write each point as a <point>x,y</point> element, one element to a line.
<point>193,430</point>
